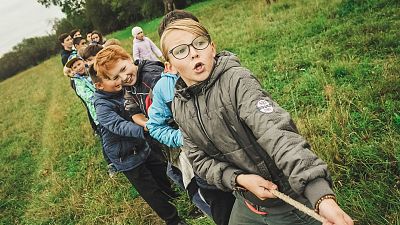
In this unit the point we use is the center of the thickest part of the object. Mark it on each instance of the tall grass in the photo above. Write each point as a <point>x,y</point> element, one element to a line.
<point>333,64</point>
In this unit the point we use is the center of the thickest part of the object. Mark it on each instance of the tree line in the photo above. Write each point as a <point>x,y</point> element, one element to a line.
<point>87,15</point>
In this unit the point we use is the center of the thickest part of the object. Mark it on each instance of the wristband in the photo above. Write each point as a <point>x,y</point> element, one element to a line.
<point>316,209</point>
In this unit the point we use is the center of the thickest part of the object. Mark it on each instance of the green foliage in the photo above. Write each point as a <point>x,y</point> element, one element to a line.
<point>28,53</point>
<point>107,15</point>
<point>332,64</point>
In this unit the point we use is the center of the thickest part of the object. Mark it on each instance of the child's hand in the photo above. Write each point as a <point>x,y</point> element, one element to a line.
<point>330,210</point>
<point>256,185</point>
<point>140,119</point>
<point>68,72</point>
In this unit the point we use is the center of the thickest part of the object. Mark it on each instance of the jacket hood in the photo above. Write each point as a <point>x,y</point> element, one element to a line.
<point>223,62</point>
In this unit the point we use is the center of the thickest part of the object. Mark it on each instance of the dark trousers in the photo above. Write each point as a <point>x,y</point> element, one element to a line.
<point>221,204</point>
<point>242,215</point>
<point>151,181</point>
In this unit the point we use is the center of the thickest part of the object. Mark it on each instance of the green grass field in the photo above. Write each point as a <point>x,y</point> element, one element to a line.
<point>333,64</point>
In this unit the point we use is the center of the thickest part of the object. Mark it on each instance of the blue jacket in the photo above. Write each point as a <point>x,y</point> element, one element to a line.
<point>160,112</point>
<point>123,140</point>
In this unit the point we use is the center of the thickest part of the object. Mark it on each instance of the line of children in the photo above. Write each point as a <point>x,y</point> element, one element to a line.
<point>76,69</point>
<point>247,144</point>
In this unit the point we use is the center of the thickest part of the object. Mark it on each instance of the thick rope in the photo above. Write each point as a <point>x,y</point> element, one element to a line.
<point>298,205</point>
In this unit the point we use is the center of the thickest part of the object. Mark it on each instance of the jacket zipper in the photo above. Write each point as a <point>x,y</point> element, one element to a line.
<point>197,106</point>
<point>139,100</point>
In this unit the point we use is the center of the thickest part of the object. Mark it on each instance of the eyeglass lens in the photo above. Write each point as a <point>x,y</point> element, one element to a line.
<point>182,51</point>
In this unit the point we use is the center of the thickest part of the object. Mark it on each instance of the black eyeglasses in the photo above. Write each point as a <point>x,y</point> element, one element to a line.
<point>182,51</point>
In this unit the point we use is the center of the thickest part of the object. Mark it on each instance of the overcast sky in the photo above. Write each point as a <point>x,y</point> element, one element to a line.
<point>21,19</point>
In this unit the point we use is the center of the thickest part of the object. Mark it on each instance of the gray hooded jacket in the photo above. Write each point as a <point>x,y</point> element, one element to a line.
<point>209,115</point>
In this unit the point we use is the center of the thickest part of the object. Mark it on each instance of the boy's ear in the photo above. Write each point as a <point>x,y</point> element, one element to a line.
<point>98,85</point>
<point>214,48</point>
<point>168,68</point>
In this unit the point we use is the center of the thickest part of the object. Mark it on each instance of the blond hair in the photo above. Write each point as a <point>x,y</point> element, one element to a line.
<point>188,25</point>
<point>107,58</point>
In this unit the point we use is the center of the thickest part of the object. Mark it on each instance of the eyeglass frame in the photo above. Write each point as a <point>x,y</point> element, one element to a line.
<point>191,44</point>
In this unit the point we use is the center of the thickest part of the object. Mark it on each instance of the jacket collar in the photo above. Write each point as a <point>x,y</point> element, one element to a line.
<point>104,94</point>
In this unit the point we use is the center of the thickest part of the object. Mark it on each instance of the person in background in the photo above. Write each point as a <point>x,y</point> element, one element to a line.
<point>75,33</point>
<point>89,54</point>
<point>239,139</point>
<point>79,43</point>
<point>143,47</point>
<point>83,85</point>
<point>89,37</point>
<point>97,37</point>
<point>67,44</point>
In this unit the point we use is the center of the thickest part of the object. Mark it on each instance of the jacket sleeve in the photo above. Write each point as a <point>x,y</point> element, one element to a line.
<point>136,52</point>
<point>155,49</point>
<point>87,95</point>
<point>276,133</point>
<point>159,114</point>
<point>215,172</point>
<point>113,122</point>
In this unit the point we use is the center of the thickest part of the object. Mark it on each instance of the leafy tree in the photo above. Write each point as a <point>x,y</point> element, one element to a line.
<point>69,7</point>
<point>29,52</point>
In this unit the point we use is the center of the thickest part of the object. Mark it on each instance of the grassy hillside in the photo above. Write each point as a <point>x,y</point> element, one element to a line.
<point>333,64</point>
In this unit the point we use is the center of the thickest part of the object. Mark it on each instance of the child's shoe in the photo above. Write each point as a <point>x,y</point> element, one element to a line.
<point>112,171</point>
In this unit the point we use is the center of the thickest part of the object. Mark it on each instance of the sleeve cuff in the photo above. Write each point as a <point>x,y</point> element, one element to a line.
<point>229,177</point>
<point>316,189</point>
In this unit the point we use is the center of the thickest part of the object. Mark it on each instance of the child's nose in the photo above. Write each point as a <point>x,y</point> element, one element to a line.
<point>193,52</point>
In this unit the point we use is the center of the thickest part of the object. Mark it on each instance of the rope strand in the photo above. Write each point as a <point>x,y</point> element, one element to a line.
<point>298,205</point>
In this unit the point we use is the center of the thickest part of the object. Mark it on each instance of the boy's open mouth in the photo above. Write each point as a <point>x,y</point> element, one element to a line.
<point>198,67</point>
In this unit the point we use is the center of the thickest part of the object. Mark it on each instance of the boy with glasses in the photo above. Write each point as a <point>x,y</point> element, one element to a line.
<point>239,139</point>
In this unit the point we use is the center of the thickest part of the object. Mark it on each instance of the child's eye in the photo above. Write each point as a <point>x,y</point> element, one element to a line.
<point>180,50</point>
